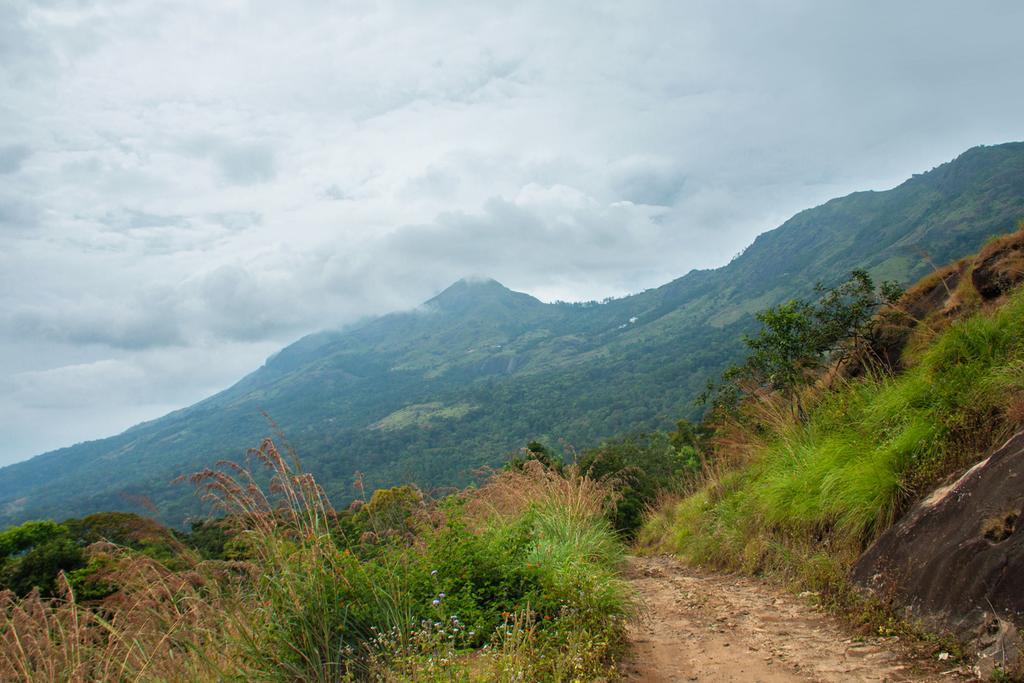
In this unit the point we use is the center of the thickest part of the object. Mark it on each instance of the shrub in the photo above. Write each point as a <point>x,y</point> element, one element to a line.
<point>836,478</point>
<point>522,572</point>
<point>641,467</point>
<point>33,554</point>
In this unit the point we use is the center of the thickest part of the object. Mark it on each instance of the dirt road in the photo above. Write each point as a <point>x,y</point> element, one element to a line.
<point>706,627</point>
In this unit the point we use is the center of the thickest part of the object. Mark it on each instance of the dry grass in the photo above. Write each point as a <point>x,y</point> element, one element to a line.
<point>305,607</point>
<point>919,299</point>
<point>198,624</point>
<point>1010,241</point>
<point>761,417</point>
<point>293,504</point>
<point>510,493</point>
<point>160,625</point>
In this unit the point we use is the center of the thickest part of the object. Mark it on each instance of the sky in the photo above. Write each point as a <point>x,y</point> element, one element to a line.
<point>186,187</point>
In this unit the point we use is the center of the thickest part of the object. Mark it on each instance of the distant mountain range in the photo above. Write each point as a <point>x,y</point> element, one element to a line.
<point>479,370</point>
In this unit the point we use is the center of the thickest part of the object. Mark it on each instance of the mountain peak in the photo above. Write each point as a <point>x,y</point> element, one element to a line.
<point>473,289</point>
<point>476,283</point>
<point>477,292</point>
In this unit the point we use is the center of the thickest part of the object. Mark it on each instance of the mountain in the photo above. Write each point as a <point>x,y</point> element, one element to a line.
<point>430,394</point>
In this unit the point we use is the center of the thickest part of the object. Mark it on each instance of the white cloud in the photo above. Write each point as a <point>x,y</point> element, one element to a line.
<point>212,180</point>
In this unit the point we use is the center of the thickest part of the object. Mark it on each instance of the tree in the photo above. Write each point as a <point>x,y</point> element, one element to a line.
<point>642,466</point>
<point>389,510</point>
<point>34,553</point>
<point>535,450</point>
<point>798,338</point>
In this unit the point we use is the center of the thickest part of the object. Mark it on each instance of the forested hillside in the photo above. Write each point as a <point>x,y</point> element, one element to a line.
<point>428,395</point>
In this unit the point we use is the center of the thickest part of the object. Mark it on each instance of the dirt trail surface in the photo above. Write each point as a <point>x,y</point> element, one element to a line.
<point>699,626</point>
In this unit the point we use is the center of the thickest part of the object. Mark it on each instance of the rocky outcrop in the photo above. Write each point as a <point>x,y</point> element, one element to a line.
<point>949,294</point>
<point>999,267</point>
<point>957,558</point>
<point>932,297</point>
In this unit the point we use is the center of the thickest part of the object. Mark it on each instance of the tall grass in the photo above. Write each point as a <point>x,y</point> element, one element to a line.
<point>315,606</point>
<point>517,580</point>
<point>583,604</point>
<point>827,485</point>
<point>161,625</point>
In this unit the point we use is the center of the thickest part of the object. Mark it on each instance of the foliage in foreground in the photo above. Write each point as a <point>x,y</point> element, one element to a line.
<point>806,495</point>
<point>516,580</point>
<point>637,468</point>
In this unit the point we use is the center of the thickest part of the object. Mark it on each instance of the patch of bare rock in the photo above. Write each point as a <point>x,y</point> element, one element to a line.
<point>956,560</point>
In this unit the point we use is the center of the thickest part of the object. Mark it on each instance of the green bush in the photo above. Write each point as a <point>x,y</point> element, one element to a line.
<point>642,467</point>
<point>34,553</point>
<point>843,474</point>
<point>515,581</point>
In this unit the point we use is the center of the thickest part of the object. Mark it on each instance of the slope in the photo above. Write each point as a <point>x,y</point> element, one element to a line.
<point>428,395</point>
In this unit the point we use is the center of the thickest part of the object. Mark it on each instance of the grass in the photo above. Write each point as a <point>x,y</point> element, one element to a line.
<point>161,626</point>
<point>831,483</point>
<point>516,580</point>
<point>799,500</point>
<point>422,415</point>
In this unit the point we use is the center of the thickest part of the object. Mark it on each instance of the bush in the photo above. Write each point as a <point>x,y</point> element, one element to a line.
<point>33,554</point>
<point>515,581</point>
<point>641,467</point>
<point>837,478</point>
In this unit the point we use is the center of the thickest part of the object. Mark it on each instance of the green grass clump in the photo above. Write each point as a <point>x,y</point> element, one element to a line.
<point>832,482</point>
<point>518,580</point>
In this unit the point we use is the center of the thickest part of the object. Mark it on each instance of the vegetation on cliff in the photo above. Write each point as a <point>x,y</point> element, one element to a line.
<point>801,494</point>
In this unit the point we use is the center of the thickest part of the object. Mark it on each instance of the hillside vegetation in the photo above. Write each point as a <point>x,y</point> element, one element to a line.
<point>800,495</point>
<point>849,405</point>
<point>516,580</point>
<point>478,371</point>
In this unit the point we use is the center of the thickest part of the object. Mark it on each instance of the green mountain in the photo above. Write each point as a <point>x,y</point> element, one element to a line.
<point>431,394</point>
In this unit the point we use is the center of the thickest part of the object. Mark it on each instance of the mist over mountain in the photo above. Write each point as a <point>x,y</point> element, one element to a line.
<point>431,394</point>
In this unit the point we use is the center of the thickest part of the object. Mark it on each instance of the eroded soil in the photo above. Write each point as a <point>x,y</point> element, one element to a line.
<point>699,626</point>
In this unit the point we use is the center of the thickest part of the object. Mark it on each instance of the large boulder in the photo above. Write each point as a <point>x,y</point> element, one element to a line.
<point>957,558</point>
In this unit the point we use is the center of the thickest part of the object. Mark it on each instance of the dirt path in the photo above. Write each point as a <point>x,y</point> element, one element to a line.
<point>707,627</point>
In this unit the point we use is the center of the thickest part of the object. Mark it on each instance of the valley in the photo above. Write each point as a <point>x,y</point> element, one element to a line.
<point>845,509</point>
<point>504,368</point>
<point>531,342</point>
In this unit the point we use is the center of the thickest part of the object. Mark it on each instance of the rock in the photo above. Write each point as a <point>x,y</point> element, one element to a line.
<point>1000,648</point>
<point>999,266</point>
<point>894,326</point>
<point>957,558</point>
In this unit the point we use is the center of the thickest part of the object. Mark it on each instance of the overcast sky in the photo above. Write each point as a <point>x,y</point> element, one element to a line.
<point>187,186</point>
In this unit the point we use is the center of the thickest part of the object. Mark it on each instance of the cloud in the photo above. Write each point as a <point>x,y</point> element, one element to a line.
<point>17,213</point>
<point>92,396</point>
<point>210,182</point>
<point>247,164</point>
<point>647,180</point>
<point>147,320</point>
<point>12,157</point>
